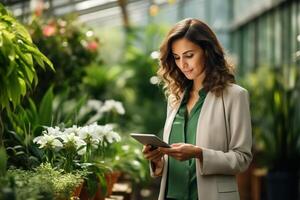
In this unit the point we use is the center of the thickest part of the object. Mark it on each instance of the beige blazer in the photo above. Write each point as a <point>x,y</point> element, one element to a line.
<point>216,174</point>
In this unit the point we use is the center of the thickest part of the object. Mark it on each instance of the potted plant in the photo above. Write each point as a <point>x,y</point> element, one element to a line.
<point>43,182</point>
<point>275,106</point>
<point>80,148</point>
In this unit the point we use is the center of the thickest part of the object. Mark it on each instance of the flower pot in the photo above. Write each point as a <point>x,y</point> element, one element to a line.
<point>77,190</point>
<point>111,179</point>
<point>282,185</point>
<point>99,194</point>
<point>84,194</point>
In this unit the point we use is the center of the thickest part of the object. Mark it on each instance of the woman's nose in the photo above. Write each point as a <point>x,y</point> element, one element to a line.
<point>183,64</point>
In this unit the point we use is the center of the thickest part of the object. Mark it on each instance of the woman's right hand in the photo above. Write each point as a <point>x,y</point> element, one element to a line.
<point>156,159</point>
<point>152,155</point>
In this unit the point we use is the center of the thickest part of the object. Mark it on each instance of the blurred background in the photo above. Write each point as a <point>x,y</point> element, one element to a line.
<point>105,52</point>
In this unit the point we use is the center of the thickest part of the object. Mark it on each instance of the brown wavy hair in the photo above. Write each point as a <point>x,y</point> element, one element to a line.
<point>218,73</point>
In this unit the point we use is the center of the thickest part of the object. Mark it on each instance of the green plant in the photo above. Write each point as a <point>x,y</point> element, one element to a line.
<point>141,57</point>
<point>18,57</point>
<point>70,146</point>
<point>275,106</point>
<point>27,122</point>
<point>70,45</point>
<point>128,158</point>
<point>56,184</point>
<point>85,148</point>
<point>3,161</point>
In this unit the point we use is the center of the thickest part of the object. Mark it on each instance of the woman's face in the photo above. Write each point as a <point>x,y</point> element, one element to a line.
<point>188,57</point>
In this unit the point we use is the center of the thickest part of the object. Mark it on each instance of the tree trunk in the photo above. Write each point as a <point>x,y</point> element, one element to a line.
<point>123,6</point>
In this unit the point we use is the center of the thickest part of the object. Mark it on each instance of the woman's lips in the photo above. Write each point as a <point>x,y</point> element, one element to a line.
<point>188,71</point>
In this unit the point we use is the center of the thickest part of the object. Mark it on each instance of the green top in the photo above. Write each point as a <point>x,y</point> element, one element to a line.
<point>182,180</point>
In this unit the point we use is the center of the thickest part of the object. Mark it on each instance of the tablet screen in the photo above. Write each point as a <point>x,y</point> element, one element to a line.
<point>150,139</point>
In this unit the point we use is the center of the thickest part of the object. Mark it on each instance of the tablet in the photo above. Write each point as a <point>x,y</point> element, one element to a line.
<point>150,139</point>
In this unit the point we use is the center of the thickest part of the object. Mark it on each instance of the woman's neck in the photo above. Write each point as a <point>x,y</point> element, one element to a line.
<point>198,83</point>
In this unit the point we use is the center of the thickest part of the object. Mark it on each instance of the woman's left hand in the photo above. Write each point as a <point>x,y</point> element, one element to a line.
<point>182,151</point>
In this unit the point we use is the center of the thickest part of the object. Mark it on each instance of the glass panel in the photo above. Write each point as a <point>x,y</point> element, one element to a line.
<point>262,42</point>
<point>285,35</point>
<point>249,47</point>
<point>269,38</point>
<point>293,40</point>
<point>238,50</point>
<point>298,33</point>
<point>278,38</point>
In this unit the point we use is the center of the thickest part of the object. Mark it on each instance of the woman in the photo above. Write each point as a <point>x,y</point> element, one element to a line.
<point>208,119</point>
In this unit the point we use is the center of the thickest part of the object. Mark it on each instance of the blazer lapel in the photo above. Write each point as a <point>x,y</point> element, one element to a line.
<point>207,100</point>
<point>169,121</point>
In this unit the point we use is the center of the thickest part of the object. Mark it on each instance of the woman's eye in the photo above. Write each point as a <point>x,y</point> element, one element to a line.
<point>176,58</point>
<point>189,55</point>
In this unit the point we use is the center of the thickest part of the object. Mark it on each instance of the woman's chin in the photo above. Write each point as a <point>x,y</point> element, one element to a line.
<point>190,77</point>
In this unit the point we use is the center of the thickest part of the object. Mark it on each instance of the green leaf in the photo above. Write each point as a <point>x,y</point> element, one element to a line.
<point>32,106</point>
<point>16,136</point>
<point>30,48</point>
<point>20,153</point>
<point>92,185</point>
<point>39,61</point>
<point>26,74</point>
<point>22,86</point>
<point>17,57</point>
<point>7,43</point>
<point>76,109</point>
<point>11,67</point>
<point>25,57</point>
<point>1,39</point>
<point>21,31</point>
<point>14,92</point>
<point>45,109</point>
<point>4,98</point>
<point>32,114</point>
<point>3,162</point>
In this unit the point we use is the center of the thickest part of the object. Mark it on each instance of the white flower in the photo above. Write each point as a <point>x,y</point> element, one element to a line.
<point>107,128</point>
<point>94,104</point>
<point>112,136</point>
<point>91,105</point>
<point>52,131</point>
<point>90,134</point>
<point>105,131</point>
<point>71,140</point>
<point>101,131</point>
<point>48,141</point>
<point>109,134</point>
<point>74,129</point>
<point>82,151</point>
<point>110,105</point>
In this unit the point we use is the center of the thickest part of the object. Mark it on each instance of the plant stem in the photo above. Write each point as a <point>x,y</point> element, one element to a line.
<point>88,153</point>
